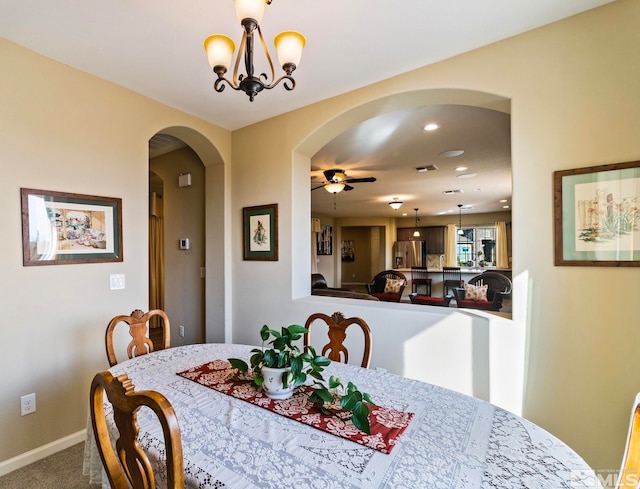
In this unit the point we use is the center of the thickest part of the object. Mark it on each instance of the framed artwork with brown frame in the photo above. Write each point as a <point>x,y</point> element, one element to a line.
<point>60,228</point>
<point>260,232</point>
<point>596,215</point>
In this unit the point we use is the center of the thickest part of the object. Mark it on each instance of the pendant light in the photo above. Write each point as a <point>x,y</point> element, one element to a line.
<point>416,233</point>
<point>396,204</point>
<point>460,231</point>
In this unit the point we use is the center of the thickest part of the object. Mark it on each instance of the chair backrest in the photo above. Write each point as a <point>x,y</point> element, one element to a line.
<point>128,465</point>
<point>338,324</point>
<point>318,281</point>
<point>495,281</point>
<point>451,273</point>
<point>419,273</point>
<point>380,279</point>
<point>138,323</point>
<point>630,469</point>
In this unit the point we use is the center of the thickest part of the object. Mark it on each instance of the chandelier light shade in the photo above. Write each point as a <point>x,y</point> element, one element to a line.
<point>460,231</point>
<point>416,233</point>
<point>220,49</point>
<point>334,187</point>
<point>396,204</point>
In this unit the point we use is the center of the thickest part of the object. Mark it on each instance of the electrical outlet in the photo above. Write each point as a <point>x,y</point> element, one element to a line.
<point>181,330</point>
<point>28,404</point>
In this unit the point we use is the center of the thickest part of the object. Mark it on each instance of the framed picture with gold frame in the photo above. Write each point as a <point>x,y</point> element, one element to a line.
<point>61,228</point>
<point>596,216</point>
<point>260,232</point>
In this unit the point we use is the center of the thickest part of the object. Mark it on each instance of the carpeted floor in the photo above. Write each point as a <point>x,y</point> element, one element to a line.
<point>62,470</point>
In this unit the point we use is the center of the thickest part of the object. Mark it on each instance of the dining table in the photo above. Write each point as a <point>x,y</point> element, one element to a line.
<point>448,439</point>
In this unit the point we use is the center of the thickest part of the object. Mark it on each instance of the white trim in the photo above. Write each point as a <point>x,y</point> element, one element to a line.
<point>39,453</point>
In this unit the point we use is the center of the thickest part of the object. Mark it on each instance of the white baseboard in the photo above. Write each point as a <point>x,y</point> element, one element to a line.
<point>39,453</point>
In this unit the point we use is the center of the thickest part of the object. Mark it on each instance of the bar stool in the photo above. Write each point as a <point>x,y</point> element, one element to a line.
<point>451,279</point>
<point>419,276</point>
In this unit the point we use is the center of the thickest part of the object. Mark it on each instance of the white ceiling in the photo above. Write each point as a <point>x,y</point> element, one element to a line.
<point>154,47</point>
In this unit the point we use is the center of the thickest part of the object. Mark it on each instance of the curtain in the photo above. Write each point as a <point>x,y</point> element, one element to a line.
<point>315,229</point>
<point>450,248</point>
<point>502,253</point>
<point>156,259</point>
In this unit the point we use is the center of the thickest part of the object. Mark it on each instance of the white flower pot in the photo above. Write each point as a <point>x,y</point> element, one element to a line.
<point>272,385</point>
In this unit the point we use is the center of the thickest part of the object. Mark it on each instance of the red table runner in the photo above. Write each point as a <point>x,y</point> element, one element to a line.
<point>386,424</point>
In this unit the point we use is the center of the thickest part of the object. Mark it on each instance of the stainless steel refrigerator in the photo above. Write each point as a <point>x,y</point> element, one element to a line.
<point>409,254</point>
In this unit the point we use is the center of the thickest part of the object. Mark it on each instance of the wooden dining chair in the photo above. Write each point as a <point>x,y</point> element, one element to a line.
<point>128,465</point>
<point>631,458</point>
<point>140,332</point>
<point>338,324</point>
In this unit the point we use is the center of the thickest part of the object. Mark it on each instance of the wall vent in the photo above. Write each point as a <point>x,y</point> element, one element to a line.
<point>422,169</point>
<point>451,192</point>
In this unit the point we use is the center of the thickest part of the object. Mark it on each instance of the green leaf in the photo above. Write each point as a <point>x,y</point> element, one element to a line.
<point>360,418</point>
<point>270,358</point>
<point>296,365</point>
<point>264,333</point>
<point>324,394</point>
<point>322,361</point>
<point>367,398</point>
<point>297,329</point>
<point>350,400</point>
<point>258,380</point>
<point>239,364</point>
<point>334,382</point>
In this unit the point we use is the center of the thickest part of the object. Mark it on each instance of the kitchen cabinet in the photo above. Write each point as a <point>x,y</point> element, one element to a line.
<point>433,236</point>
<point>406,234</point>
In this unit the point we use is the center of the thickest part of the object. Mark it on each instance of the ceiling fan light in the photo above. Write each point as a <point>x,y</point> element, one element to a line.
<point>289,45</point>
<point>219,50</point>
<point>416,234</point>
<point>334,187</point>
<point>250,9</point>
<point>396,204</point>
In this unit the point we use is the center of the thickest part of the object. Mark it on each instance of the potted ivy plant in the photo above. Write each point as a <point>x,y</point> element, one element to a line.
<point>281,366</point>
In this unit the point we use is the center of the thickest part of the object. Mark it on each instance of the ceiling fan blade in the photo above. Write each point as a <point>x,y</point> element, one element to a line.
<point>347,188</point>
<point>360,180</point>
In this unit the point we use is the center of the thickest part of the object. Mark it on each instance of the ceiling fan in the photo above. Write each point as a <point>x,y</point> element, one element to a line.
<point>337,180</point>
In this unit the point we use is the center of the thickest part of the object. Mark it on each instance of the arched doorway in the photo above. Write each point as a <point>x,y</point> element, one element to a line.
<point>192,173</point>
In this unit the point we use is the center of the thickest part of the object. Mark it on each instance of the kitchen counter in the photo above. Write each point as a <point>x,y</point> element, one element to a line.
<point>435,274</point>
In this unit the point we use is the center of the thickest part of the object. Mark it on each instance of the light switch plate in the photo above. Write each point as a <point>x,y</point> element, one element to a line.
<point>116,281</point>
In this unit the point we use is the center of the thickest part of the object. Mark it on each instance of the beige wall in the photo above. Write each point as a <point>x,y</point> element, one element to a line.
<point>183,218</point>
<point>574,102</point>
<point>573,91</point>
<point>64,130</point>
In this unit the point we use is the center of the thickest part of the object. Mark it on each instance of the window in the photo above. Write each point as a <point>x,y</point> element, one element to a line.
<point>476,246</point>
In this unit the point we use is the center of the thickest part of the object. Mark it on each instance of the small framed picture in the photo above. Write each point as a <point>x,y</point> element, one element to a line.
<point>260,232</point>
<point>597,216</point>
<point>63,228</point>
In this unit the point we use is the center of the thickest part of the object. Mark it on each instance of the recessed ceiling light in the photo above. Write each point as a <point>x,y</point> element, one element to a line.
<point>432,126</point>
<point>467,175</point>
<point>452,152</point>
<point>502,201</point>
<point>462,168</point>
<point>505,206</point>
<point>404,213</point>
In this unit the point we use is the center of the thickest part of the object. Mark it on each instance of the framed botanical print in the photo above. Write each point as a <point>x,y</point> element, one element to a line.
<point>596,216</point>
<point>260,232</point>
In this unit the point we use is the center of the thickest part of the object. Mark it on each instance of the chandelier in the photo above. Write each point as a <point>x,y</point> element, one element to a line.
<point>220,50</point>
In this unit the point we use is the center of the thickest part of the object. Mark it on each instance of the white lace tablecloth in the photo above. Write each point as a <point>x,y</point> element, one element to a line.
<point>454,441</point>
